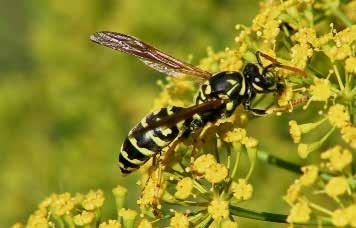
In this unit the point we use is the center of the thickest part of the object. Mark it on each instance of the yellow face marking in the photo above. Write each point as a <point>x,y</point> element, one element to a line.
<point>133,161</point>
<point>143,151</point>
<point>257,87</point>
<point>232,82</point>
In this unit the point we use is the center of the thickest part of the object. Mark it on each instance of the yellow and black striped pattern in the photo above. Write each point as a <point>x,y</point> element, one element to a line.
<point>140,145</point>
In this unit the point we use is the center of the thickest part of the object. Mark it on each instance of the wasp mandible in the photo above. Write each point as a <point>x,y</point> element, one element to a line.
<point>218,97</point>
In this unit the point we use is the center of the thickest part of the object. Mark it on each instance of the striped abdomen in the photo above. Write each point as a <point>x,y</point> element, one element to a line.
<point>140,145</point>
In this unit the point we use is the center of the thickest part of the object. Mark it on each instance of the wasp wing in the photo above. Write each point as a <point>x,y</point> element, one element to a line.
<point>185,113</point>
<point>149,55</point>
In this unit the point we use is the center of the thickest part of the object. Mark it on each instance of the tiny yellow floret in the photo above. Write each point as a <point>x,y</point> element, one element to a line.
<point>338,158</point>
<point>110,224</point>
<point>299,213</point>
<point>203,163</point>
<point>179,221</point>
<point>295,131</point>
<point>242,190</point>
<point>216,173</point>
<point>144,223</point>
<point>86,217</point>
<point>336,186</point>
<point>184,188</point>
<point>219,209</point>
<point>310,174</point>
<point>338,116</point>
<point>320,90</point>
<point>93,200</point>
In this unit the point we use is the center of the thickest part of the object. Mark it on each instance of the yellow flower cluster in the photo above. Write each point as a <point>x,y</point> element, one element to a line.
<point>239,135</point>
<point>86,217</point>
<point>345,216</point>
<point>241,190</point>
<point>299,213</point>
<point>93,200</point>
<point>219,209</point>
<point>184,188</point>
<point>207,166</point>
<point>338,158</point>
<point>179,221</point>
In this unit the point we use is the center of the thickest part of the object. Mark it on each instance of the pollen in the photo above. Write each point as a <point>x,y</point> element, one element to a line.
<point>216,173</point>
<point>236,135</point>
<point>35,221</point>
<point>93,200</point>
<point>306,35</point>
<point>63,204</point>
<point>336,186</point>
<point>144,223</point>
<point>293,192</point>
<point>184,188</point>
<point>338,116</point>
<point>86,217</point>
<point>286,96</point>
<point>338,218</point>
<point>179,221</point>
<point>110,224</point>
<point>300,54</point>
<point>242,190</point>
<point>350,65</point>
<point>250,142</point>
<point>219,209</point>
<point>303,150</point>
<point>338,158</point>
<point>349,135</point>
<point>299,213</point>
<point>310,174</point>
<point>320,90</point>
<point>295,131</point>
<point>203,163</point>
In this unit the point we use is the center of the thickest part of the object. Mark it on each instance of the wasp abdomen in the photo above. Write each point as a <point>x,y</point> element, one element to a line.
<point>141,144</point>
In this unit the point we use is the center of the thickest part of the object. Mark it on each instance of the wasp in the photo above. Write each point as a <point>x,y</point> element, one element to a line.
<point>218,96</point>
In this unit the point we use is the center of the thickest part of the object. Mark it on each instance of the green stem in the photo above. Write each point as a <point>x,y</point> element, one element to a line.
<point>280,163</point>
<point>237,160</point>
<point>339,14</point>
<point>268,217</point>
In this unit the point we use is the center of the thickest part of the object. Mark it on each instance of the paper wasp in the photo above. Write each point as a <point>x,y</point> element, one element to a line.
<point>218,97</point>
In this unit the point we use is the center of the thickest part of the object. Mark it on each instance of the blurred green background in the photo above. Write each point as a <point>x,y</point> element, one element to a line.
<point>66,104</point>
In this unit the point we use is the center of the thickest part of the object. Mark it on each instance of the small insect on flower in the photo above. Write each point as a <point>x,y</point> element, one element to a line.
<point>218,97</point>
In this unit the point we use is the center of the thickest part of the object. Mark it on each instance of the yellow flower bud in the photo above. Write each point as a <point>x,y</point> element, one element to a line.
<point>216,173</point>
<point>86,217</point>
<point>219,209</point>
<point>241,190</point>
<point>336,186</point>
<point>203,163</point>
<point>93,200</point>
<point>144,223</point>
<point>179,221</point>
<point>184,188</point>
<point>338,158</point>
<point>299,213</point>
<point>320,90</point>
<point>338,116</point>
<point>110,224</point>
<point>349,135</point>
<point>310,174</point>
